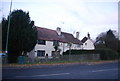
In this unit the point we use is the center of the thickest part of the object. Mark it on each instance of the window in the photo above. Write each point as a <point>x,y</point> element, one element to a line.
<point>69,44</point>
<point>78,46</point>
<point>55,43</point>
<point>42,42</point>
<point>40,53</point>
<point>85,43</point>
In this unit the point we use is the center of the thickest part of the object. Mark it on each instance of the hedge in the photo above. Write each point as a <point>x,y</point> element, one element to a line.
<point>105,54</point>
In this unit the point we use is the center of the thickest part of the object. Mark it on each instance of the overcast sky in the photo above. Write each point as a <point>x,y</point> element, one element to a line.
<point>93,16</point>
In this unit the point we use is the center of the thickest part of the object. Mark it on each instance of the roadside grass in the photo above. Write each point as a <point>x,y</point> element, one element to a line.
<point>80,61</point>
<point>59,62</point>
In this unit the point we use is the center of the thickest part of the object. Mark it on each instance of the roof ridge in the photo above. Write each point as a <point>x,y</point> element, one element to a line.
<point>52,30</point>
<point>46,28</point>
<point>67,33</point>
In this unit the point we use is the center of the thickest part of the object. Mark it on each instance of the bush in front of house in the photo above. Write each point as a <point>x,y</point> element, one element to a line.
<point>105,54</point>
<point>79,52</point>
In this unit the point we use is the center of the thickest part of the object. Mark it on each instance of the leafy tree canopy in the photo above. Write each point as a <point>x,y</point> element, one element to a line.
<point>107,40</point>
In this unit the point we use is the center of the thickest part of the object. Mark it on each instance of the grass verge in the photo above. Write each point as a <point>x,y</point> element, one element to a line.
<point>60,62</point>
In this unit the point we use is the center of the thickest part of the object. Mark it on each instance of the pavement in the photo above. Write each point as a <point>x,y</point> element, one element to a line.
<point>108,70</point>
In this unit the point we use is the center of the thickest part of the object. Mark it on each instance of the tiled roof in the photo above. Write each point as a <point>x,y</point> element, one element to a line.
<point>84,39</point>
<point>51,35</point>
<point>46,34</point>
<point>71,38</point>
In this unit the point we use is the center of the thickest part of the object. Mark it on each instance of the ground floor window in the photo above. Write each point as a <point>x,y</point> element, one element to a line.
<point>40,53</point>
<point>78,46</point>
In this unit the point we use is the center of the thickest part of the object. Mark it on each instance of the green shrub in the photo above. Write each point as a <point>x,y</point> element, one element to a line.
<point>105,54</point>
<point>78,52</point>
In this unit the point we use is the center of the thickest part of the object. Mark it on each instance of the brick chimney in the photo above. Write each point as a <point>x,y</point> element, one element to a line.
<point>88,35</point>
<point>77,35</point>
<point>58,30</point>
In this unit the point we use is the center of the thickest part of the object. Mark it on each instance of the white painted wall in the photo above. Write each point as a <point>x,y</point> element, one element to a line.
<point>64,47</point>
<point>76,46</point>
<point>88,45</point>
<point>48,48</point>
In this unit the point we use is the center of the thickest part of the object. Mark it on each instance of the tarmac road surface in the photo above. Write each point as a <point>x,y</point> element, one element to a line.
<point>67,71</point>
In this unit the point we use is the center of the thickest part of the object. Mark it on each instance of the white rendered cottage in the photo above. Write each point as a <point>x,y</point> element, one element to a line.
<point>88,43</point>
<point>48,38</point>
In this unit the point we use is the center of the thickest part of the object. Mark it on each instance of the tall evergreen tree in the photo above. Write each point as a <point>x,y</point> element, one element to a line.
<point>22,34</point>
<point>111,41</point>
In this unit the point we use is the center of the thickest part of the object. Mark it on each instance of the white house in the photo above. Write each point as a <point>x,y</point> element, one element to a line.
<point>88,44</point>
<point>48,39</point>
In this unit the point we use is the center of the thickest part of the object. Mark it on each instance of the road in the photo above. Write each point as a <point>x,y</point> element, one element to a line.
<point>69,71</point>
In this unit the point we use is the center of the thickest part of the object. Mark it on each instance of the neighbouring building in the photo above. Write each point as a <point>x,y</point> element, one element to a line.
<point>48,39</point>
<point>88,43</point>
